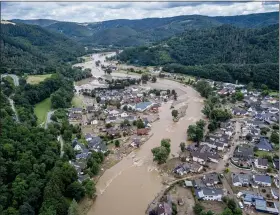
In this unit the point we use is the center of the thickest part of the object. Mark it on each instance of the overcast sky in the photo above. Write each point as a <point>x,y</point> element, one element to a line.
<point>100,11</point>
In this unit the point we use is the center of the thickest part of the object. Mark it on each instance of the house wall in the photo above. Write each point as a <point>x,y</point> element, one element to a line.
<point>213,160</point>
<point>237,184</point>
<point>260,167</point>
<point>263,184</point>
<point>213,198</point>
<point>199,160</point>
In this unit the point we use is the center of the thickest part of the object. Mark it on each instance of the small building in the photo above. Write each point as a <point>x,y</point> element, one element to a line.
<point>164,209</point>
<point>211,179</point>
<point>241,180</point>
<point>142,131</point>
<point>261,163</point>
<point>214,194</point>
<point>250,198</point>
<point>262,180</point>
<point>264,206</point>
<point>75,116</point>
<point>142,106</point>
<point>264,145</point>
<point>76,110</point>
<point>244,152</point>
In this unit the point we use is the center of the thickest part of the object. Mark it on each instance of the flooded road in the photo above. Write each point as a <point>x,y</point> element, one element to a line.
<point>129,186</point>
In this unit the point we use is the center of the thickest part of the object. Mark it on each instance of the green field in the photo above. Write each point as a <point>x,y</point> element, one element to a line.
<point>274,93</point>
<point>41,109</point>
<point>263,153</point>
<point>77,101</point>
<point>36,79</point>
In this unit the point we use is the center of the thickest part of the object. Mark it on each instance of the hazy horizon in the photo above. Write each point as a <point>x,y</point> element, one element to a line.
<point>84,12</point>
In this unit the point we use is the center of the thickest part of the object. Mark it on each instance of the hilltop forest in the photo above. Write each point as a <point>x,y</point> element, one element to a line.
<point>31,48</point>
<point>129,33</point>
<point>224,53</point>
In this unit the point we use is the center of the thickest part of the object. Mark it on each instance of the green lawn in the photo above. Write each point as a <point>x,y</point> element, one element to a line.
<point>41,109</point>
<point>77,101</point>
<point>274,93</point>
<point>36,79</point>
<point>263,153</point>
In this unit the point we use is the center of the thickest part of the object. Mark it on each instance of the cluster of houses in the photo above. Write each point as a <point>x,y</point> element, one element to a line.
<point>131,100</point>
<point>210,150</point>
<point>83,151</point>
<point>208,188</point>
<point>265,196</point>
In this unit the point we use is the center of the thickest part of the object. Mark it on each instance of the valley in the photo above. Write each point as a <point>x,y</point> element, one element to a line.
<point>173,115</point>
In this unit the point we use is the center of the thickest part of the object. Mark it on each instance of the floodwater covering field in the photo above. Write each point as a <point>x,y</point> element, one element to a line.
<point>129,186</point>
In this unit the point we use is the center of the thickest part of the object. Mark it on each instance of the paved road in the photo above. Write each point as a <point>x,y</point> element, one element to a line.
<point>14,77</point>
<point>60,139</point>
<point>16,83</point>
<point>48,120</point>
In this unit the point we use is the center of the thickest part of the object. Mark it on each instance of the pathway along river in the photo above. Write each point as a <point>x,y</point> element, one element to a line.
<point>129,186</point>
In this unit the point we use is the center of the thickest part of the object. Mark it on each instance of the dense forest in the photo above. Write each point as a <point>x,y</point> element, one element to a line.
<point>31,48</point>
<point>125,33</point>
<point>224,53</point>
<point>34,179</point>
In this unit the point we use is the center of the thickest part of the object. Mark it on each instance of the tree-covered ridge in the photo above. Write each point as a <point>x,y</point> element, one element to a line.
<point>26,47</point>
<point>262,73</point>
<point>225,53</point>
<point>127,33</point>
<point>223,44</point>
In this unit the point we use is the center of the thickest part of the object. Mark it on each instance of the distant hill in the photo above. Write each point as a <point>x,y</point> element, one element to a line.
<point>224,53</point>
<point>124,33</point>
<point>223,44</point>
<point>31,46</point>
<point>40,22</point>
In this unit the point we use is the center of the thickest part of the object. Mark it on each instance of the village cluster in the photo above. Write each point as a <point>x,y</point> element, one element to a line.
<point>239,160</point>
<point>123,115</point>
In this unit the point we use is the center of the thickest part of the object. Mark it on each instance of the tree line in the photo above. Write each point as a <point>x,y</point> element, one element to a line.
<point>223,53</point>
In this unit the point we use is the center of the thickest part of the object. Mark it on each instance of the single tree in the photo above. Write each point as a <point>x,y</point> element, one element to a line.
<point>183,146</point>
<point>174,113</point>
<point>117,143</point>
<point>154,79</point>
<point>274,137</point>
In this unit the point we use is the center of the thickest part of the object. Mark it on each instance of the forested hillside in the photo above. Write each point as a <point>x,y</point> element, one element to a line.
<point>30,47</point>
<point>255,51</point>
<point>127,33</point>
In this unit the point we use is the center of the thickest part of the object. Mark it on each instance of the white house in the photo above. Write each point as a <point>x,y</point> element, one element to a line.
<point>261,163</point>
<point>239,180</point>
<point>78,147</point>
<point>262,180</point>
<point>215,145</point>
<point>114,113</point>
<point>94,122</point>
<point>199,158</point>
<point>210,194</point>
<point>124,114</point>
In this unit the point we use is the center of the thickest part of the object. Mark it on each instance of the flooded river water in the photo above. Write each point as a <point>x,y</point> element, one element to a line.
<point>129,186</point>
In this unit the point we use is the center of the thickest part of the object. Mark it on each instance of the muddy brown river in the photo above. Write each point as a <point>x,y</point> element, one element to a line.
<point>128,187</point>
